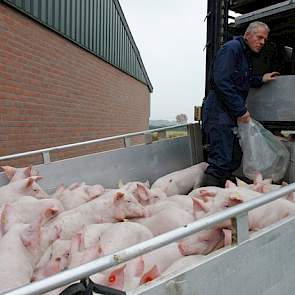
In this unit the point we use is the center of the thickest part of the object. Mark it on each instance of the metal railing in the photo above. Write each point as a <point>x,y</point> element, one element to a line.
<point>126,137</point>
<point>238,212</point>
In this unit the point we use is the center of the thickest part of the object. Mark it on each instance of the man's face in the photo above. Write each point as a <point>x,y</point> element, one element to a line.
<point>256,40</point>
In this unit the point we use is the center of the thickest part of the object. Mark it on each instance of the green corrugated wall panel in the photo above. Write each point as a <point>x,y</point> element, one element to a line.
<point>97,25</point>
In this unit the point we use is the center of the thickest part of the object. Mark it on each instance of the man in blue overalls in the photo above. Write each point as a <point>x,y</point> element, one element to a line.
<point>230,78</point>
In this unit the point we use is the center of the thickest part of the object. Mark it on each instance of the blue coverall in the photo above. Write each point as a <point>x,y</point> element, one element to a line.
<point>230,80</point>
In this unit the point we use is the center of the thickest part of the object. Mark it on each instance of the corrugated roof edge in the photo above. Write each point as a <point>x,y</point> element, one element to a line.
<point>120,11</point>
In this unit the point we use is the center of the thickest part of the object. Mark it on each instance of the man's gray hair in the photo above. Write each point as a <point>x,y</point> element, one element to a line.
<point>252,28</point>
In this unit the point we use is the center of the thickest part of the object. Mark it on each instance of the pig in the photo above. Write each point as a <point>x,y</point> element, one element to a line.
<point>19,244</point>
<point>22,244</point>
<point>202,242</point>
<point>25,187</point>
<point>77,194</point>
<point>166,220</point>
<point>112,239</point>
<point>58,249</point>
<point>53,266</point>
<point>26,210</point>
<point>258,218</point>
<point>79,254</point>
<point>143,269</point>
<point>181,182</point>
<point>14,174</point>
<point>116,208</point>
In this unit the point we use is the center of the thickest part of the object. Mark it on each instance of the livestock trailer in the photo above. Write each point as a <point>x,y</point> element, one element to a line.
<point>263,263</point>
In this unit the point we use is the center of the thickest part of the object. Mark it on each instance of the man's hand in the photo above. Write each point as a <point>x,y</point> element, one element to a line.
<point>270,76</point>
<point>245,118</point>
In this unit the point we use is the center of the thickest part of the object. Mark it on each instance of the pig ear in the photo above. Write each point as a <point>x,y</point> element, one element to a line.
<point>152,274</point>
<point>28,171</point>
<point>235,199</point>
<point>139,267</point>
<point>48,214</point>
<point>229,184</point>
<point>119,196</point>
<point>143,192</point>
<point>116,278</point>
<point>31,179</point>
<point>9,171</point>
<point>199,205</point>
<point>241,183</point>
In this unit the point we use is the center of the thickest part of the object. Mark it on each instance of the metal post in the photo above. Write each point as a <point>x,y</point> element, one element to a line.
<point>148,138</point>
<point>46,157</point>
<point>240,228</point>
<point>127,141</point>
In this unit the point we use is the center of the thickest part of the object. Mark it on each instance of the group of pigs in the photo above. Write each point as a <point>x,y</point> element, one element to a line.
<point>43,234</point>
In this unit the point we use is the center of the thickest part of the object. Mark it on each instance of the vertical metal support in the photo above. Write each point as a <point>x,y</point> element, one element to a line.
<point>162,134</point>
<point>148,138</point>
<point>214,35</point>
<point>46,157</point>
<point>225,20</point>
<point>127,142</point>
<point>240,228</point>
<point>194,131</point>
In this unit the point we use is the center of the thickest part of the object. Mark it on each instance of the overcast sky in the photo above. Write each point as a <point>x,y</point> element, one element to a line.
<point>170,36</point>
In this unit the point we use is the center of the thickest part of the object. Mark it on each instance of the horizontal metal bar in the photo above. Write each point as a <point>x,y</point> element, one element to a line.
<point>100,140</point>
<point>103,263</point>
<point>267,11</point>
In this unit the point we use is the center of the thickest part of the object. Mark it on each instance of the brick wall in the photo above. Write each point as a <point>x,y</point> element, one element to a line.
<point>53,92</point>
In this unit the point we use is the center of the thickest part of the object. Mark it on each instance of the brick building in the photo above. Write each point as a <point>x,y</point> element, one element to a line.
<point>69,71</point>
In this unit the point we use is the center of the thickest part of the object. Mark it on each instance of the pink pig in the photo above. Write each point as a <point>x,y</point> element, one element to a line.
<point>77,194</point>
<point>259,217</point>
<point>14,174</point>
<point>118,206</point>
<point>25,187</point>
<point>182,181</point>
<point>22,245</point>
<point>79,254</point>
<point>26,210</point>
<point>59,248</point>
